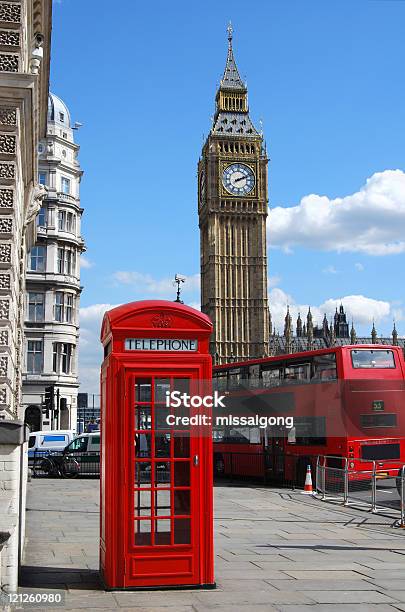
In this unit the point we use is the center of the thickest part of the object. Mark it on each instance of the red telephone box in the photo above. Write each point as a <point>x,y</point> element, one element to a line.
<point>156,478</point>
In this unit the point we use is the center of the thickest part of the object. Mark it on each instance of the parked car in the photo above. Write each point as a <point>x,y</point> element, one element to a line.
<point>42,442</point>
<point>85,451</point>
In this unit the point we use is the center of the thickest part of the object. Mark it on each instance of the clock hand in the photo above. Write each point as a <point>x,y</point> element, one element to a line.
<point>241,178</point>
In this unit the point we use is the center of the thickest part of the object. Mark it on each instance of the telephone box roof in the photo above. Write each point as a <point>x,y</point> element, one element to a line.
<point>165,315</point>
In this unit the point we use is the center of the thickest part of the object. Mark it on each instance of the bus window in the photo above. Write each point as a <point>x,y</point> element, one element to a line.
<point>241,435</point>
<point>310,431</point>
<point>324,367</point>
<point>367,358</point>
<point>220,380</point>
<point>234,378</point>
<point>297,372</point>
<point>378,420</point>
<point>254,376</point>
<point>271,376</point>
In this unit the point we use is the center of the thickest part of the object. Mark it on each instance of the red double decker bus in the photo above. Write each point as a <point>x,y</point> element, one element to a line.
<point>346,401</point>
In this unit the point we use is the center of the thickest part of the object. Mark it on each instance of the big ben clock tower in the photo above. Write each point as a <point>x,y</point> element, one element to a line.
<point>232,208</point>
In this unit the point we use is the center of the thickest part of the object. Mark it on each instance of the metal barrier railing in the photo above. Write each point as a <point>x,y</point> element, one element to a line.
<point>379,487</point>
<point>67,465</point>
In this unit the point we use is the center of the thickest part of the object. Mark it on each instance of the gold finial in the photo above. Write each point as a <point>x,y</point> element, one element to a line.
<point>229,29</point>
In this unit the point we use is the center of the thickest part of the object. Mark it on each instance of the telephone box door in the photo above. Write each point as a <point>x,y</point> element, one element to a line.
<point>162,505</point>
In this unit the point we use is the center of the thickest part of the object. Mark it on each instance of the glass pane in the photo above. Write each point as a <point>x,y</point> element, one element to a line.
<point>162,531</point>
<point>142,503</point>
<point>143,533</point>
<point>143,470</point>
<point>182,474</point>
<point>182,502</point>
<point>162,445</point>
<point>161,386</point>
<point>182,531</point>
<point>181,444</point>
<point>143,390</point>
<point>143,445</point>
<point>161,414</point>
<point>162,474</point>
<point>181,384</point>
<point>143,417</point>
<point>162,503</point>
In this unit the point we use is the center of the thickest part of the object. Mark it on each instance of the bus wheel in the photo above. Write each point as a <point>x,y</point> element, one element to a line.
<point>219,465</point>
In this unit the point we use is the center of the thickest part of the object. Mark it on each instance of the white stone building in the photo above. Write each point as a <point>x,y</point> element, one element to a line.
<point>53,280</point>
<point>25,31</point>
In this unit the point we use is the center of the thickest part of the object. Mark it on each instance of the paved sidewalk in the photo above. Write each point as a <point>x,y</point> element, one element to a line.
<point>275,550</point>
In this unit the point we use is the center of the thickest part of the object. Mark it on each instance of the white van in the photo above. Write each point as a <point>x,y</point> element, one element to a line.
<point>40,442</point>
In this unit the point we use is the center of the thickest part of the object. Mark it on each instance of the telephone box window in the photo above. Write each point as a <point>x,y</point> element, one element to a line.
<point>182,531</point>
<point>162,474</point>
<point>142,473</point>
<point>143,390</point>
<point>143,534</point>
<point>162,533</point>
<point>182,474</point>
<point>162,386</point>
<point>142,505</point>
<point>182,504</point>
<point>162,503</point>
<point>143,418</point>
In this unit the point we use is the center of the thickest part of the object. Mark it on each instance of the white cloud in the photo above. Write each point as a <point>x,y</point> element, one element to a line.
<point>359,267</point>
<point>330,270</point>
<point>85,263</point>
<point>371,220</point>
<point>163,287</point>
<point>273,281</point>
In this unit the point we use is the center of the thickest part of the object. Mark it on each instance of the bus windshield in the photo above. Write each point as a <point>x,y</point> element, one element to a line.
<point>368,358</point>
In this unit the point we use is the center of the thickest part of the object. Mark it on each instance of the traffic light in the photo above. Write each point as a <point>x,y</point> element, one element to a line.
<point>63,403</point>
<point>49,400</point>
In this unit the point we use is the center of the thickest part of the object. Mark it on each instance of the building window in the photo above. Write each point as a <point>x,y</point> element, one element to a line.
<point>70,222</point>
<point>62,117</point>
<point>69,308</point>
<point>62,219</point>
<point>41,218</point>
<point>37,259</point>
<point>42,178</point>
<point>65,185</point>
<point>36,306</point>
<point>64,303</point>
<point>59,306</point>
<point>34,357</point>
<point>67,221</point>
<point>66,263</point>
<point>62,357</point>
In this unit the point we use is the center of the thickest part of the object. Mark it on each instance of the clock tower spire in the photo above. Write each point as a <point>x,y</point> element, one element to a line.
<point>232,207</point>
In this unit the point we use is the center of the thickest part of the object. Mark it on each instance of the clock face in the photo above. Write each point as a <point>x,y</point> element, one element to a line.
<point>238,179</point>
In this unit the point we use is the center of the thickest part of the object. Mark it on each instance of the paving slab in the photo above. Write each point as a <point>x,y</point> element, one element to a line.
<point>350,597</point>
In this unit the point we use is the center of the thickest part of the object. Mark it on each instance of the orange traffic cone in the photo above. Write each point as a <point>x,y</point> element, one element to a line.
<point>308,482</point>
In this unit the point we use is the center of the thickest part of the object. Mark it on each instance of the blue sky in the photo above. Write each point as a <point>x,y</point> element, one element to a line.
<point>327,80</point>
